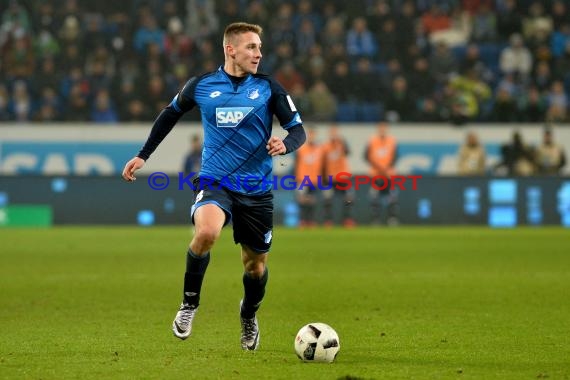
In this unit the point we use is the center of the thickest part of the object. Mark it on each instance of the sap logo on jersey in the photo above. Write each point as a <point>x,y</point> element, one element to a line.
<point>230,117</point>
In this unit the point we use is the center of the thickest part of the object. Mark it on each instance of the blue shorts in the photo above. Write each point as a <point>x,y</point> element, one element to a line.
<point>250,215</point>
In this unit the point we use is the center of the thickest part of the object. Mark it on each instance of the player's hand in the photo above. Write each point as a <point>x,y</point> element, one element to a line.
<point>275,146</point>
<point>131,167</point>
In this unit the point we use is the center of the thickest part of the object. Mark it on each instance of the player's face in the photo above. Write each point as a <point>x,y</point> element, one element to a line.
<point>246,53</point>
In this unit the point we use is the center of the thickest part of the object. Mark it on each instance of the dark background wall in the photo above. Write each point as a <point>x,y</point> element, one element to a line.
<point>437,200</point>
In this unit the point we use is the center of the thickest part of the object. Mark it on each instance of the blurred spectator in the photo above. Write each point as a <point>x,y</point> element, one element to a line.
<point>50,104</point>
<point>308,173</point>
<point>442,62</point>
<point>335,161</point>
<point>148,32</point>
<point>300,98</point>
<point>333,33</point>
<point>337,53</point>
<point>46,45</point>
<point>20,106</point>
<point>193,160</point>
<point>283,53</point>
<point>484,24</point>
<point>537,22</point>
<point>428,111</point>
<point>473,60</point>
<point>557,103</point>
<point>435,19</point>
<point>405,26</point>
<point>517,159</point>
<point>46,76</point>
<point>473,6</point>
<point>282,30</point>
<point>177,45</point>
<point>560,40</point>
<point>94,31</point>
<point>381,154</point>
<point>202,21</point>
<point>228,11</point>
<point>471,157</point>
<point>421,83</point>
<point>44,17</point>
<point>72,56</point>
<point>15,22</point>
<point>550,157</point>
<point>257,12</point>
<point>400,103</point>
<point>46,113</point>
<point>288,75</point>
<point>305,14</point>
<point>341,83</point>
<point>504,107</point>
<point>360,40</point>
<point>388,41</point>
<point>155,94</point>
<point>516,58</point>
<point>20,58</point>
<point>103,110</point>
<point>366,82</point>
<point>472,91</point>
<point>377,15</point>
<point>70,31</point>
<point>314,66</point>
<point>532,106</point>
<point>509,20</point>
<point>4,103</point>
<point>77,107</point>
<point>542,76</point>
<point>452,106</point>
<point>459,31</point>
<point>323,105</point>
<point>75,76</point>
<point>136,110</point>
<point>559,14</point>
<point>562,66</point>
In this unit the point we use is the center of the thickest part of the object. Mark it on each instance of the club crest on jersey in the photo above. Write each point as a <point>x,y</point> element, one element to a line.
<point>230,117</point>
<point>253,93</point>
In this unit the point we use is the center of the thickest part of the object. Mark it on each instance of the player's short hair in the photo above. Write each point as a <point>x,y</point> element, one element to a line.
<point>237,28</point>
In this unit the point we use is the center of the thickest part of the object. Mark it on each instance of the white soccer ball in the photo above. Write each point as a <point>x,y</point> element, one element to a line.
<point>317,342</point>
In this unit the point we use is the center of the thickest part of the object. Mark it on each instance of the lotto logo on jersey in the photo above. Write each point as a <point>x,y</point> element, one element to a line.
<point>230,117</point>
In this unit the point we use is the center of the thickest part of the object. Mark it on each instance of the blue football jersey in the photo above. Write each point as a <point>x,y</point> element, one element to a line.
<point>237,117</point>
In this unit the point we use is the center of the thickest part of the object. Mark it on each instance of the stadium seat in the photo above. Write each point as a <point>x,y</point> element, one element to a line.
<point>346,112</point>
<point>490,52</point>
<point>371,112</point>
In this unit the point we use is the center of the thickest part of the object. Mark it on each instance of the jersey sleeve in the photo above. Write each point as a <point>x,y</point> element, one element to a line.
<point>184,100</point>
<point>283,107</point>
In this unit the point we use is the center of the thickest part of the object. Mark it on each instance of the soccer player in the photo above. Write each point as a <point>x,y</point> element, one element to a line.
<point>237,106</point>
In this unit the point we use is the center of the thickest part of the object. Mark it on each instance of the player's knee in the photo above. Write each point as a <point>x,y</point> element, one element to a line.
<point>255,269</point>
<point>207,236</point>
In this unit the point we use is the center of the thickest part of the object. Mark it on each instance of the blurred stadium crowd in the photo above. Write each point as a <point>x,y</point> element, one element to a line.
<point>361,60</point>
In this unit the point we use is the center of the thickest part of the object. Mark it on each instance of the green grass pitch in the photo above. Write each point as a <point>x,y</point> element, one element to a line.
<point>408,303</point>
